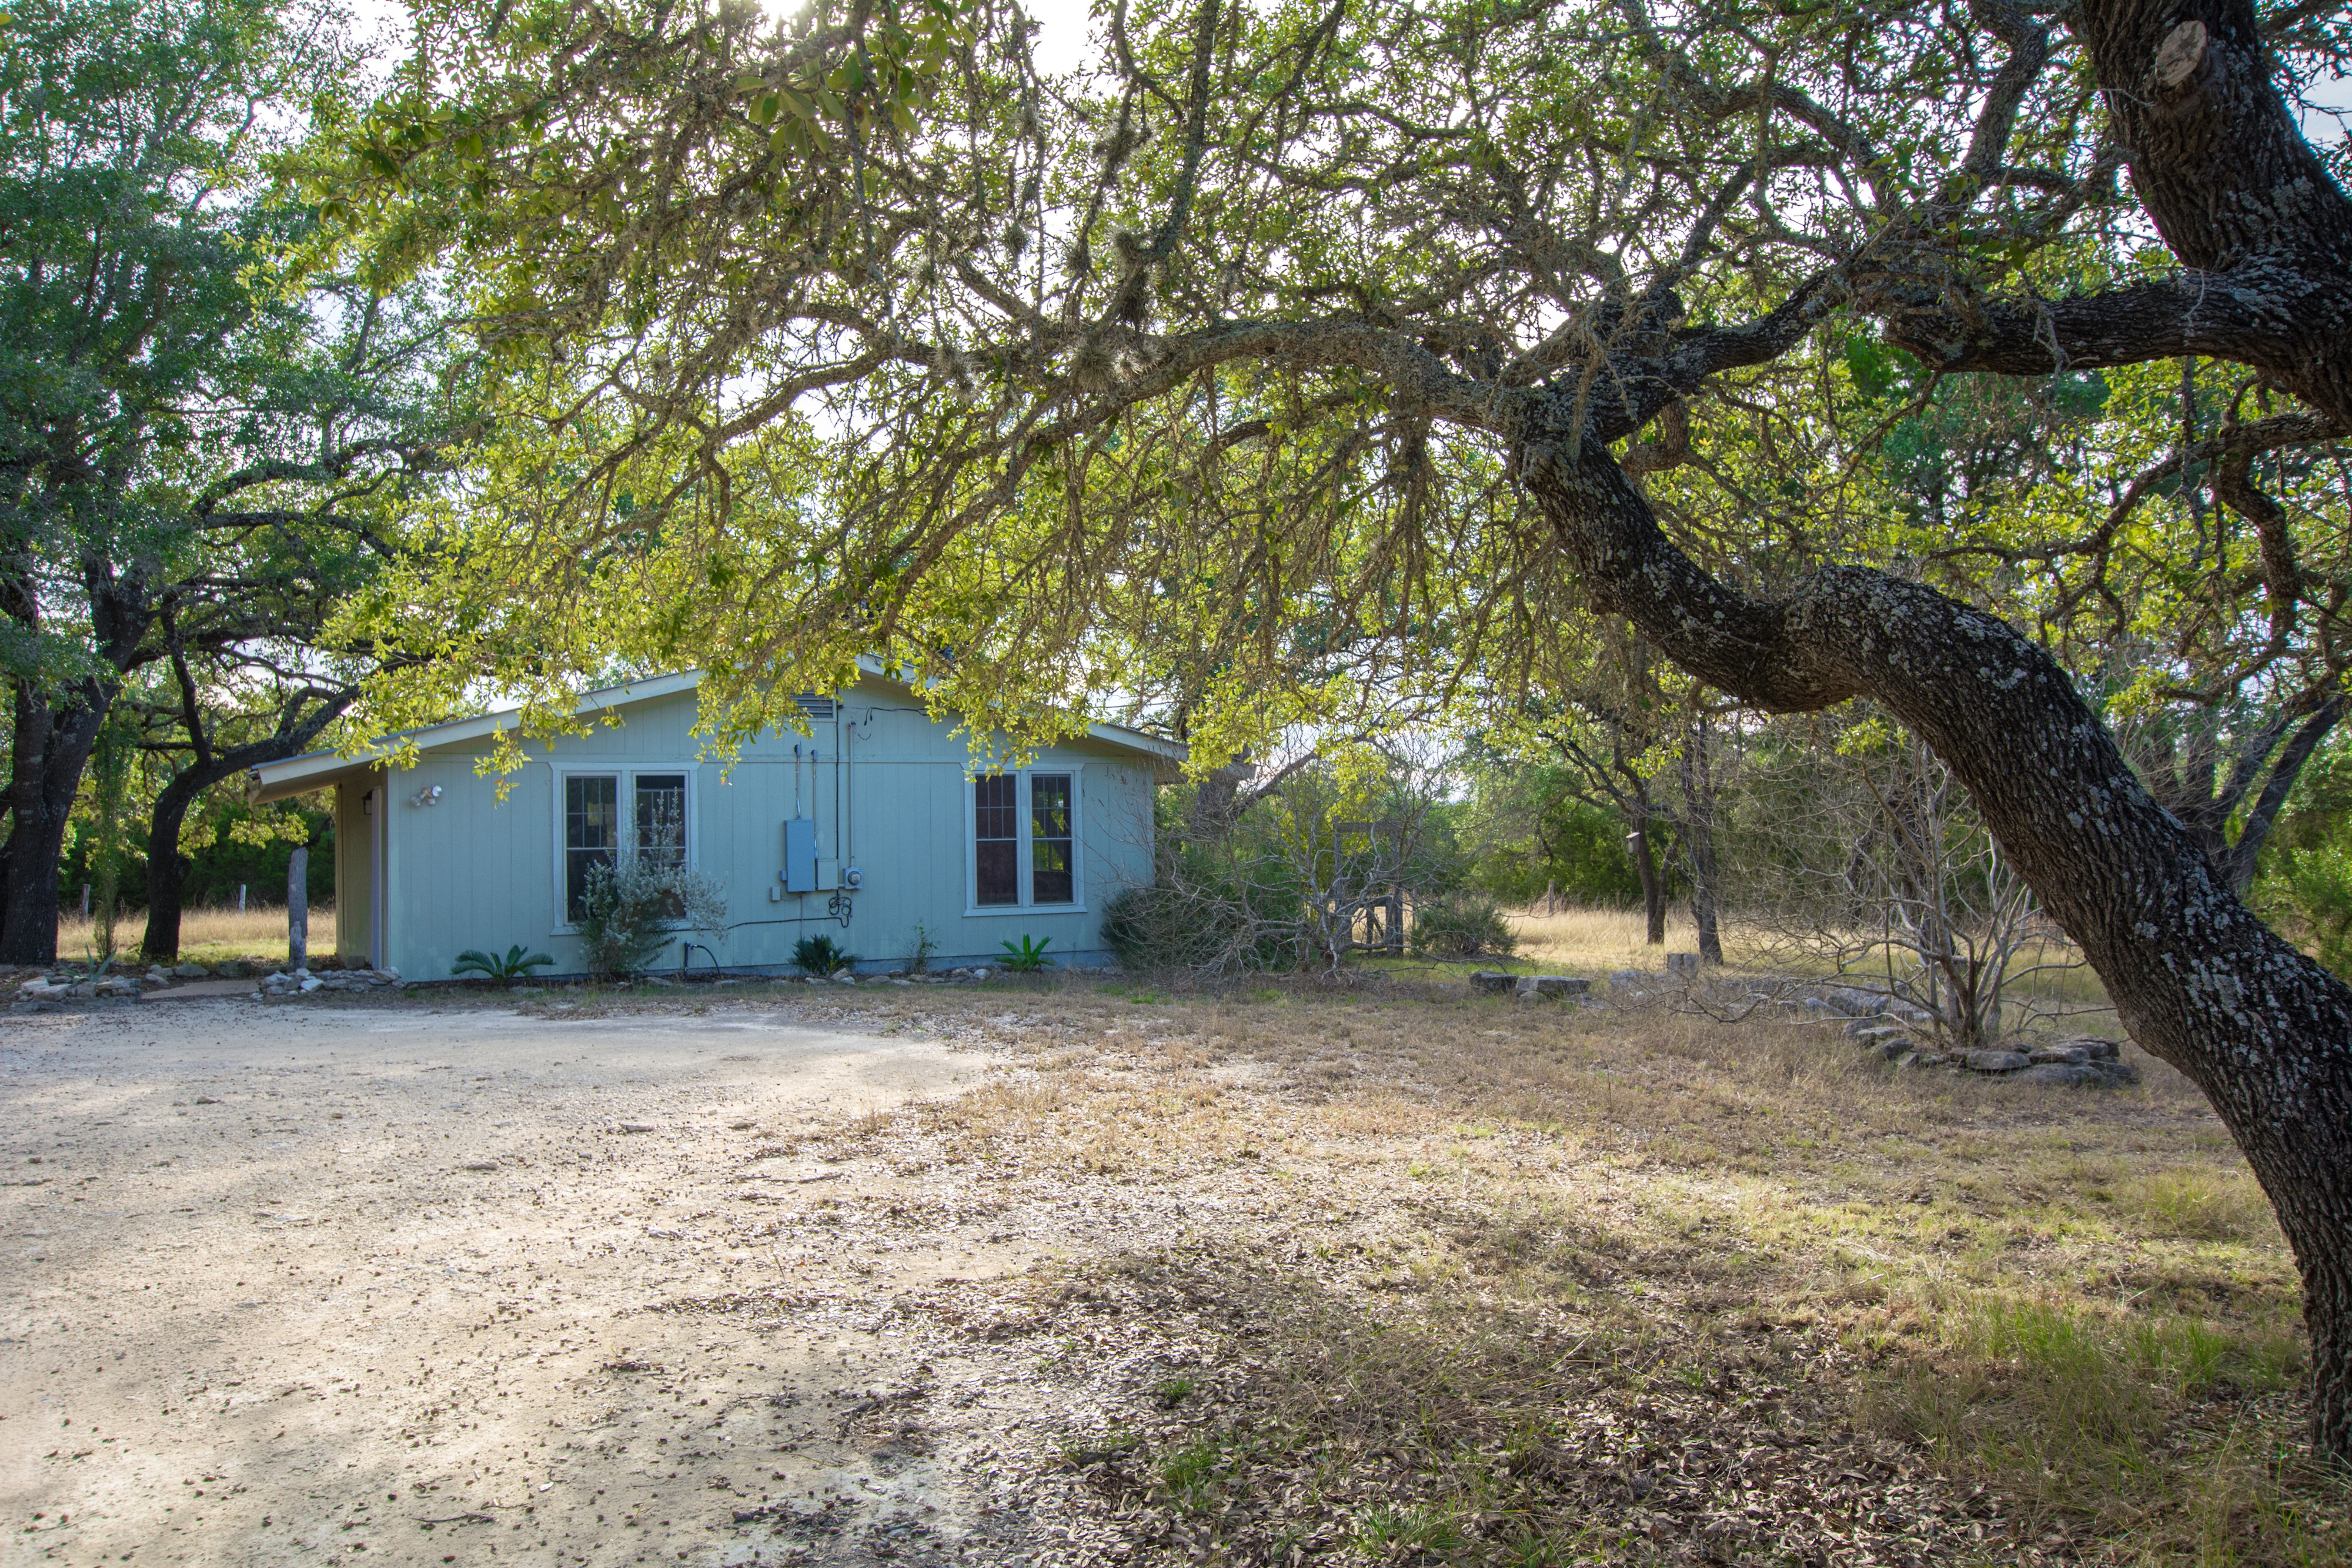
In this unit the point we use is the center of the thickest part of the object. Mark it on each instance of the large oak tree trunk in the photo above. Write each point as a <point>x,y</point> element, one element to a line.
<point>167,883</point>
<point>52,745</point>
<point>167,868</point>
<point>2199,980</point>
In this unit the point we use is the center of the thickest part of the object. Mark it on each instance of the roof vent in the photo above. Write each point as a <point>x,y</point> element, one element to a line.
<point>814,706</point>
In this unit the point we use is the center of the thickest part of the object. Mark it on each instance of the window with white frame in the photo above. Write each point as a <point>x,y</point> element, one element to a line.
<point>602,811</point>
<point>996,841</point>
<point>1053,869</point>
<point>1024,839</point>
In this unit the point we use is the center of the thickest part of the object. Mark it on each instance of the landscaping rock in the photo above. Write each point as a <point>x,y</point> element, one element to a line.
<point>2116,1072</point>
<point>1552,986</point>
<point>191,972</point>
<point>116,986</point>
<point>2062,1072</point>
<point>1996,1062</point>
<point>1853,1003</point>
<point>2095,1048</point>
<point>2059,1055</point>
<point>1492,980</point>
<point>308,983</point>
<point>1887,1039</point>
<point>234,969</point>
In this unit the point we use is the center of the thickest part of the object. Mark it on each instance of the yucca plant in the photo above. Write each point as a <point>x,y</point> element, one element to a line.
<point>819,956</point>
<point>1028,957</point>
<point>516,964</point>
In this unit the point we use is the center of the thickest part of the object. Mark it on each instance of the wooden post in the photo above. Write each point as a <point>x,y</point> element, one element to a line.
<point>298,909</point>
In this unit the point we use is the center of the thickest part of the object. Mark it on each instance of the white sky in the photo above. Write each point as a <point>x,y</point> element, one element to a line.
<point>1061,45</point>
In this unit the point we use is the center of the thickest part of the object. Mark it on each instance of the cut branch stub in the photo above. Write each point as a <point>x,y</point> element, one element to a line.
<point>2182,51</point>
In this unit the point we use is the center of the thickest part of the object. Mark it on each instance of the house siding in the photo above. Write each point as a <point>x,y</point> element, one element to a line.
<point>475,871</point>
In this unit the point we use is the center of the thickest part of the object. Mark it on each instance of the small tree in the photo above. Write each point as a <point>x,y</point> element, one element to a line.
<point>1876,868</point>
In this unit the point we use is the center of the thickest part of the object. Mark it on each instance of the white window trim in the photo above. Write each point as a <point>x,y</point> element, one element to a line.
<point>975,910</point>
<point>627,772</point>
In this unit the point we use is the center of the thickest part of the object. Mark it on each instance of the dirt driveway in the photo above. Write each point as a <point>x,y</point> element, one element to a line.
<point>467,1285</point>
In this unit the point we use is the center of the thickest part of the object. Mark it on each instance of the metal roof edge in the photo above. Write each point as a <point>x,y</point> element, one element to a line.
<point>274,780</point>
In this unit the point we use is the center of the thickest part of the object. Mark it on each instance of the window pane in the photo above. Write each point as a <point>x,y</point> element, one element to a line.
<point>661,818</point>
<point>591,831</point>
<point>1050,877</point>
<point>1049,872</point>
<point>999,880</point>
<point>995,829</point>
<point>993,801</point>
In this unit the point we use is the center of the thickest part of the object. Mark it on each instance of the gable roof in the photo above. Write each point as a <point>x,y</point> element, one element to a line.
<point>296,774</point>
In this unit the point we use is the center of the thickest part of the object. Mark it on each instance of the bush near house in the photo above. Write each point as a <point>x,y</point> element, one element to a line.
<point>632,912</point>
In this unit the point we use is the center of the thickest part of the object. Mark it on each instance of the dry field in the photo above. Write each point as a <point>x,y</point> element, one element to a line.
<point>206,936</point>
<point>1289,1276</point>
<point>1481,1281</point>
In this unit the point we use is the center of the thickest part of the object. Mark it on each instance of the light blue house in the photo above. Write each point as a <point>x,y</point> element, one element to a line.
<point>863,831</point>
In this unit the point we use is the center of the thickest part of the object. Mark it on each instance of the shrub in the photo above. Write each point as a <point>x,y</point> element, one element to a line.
<point>819,956</point>
<point>1164,927</point>
<point>1460,925</point>
<point>630,913</point>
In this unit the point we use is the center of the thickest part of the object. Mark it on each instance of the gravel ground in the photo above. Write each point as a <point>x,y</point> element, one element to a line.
<point>463,1284</point>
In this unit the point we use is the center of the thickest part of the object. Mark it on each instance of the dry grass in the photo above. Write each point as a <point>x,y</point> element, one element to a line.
<point>1466,1280</point>
<point>206,936</point>
<point>1601,941</point>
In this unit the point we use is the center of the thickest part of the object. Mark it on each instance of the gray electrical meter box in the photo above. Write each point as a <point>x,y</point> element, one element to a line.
<point>800,855</point>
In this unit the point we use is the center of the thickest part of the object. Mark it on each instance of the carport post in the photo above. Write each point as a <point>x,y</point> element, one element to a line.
<point>297,909</point>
